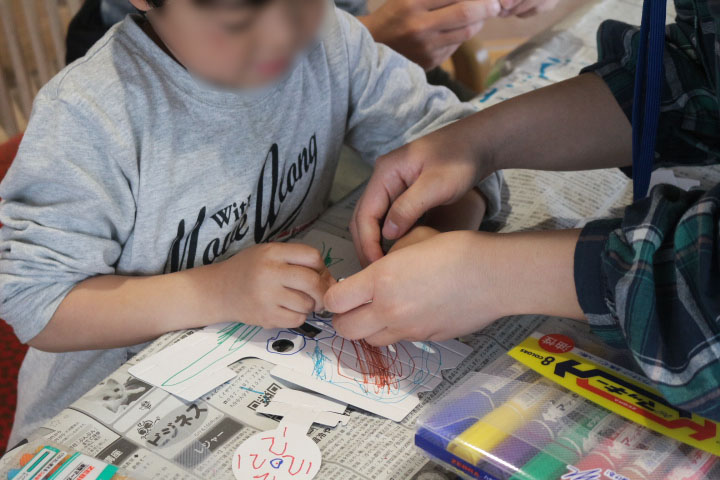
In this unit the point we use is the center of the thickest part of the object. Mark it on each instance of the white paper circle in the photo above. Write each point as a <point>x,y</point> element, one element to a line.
<point>281,454</point>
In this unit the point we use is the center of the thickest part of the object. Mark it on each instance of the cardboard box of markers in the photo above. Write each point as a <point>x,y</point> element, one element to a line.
<point>43,459</point>
<point>563,406</point>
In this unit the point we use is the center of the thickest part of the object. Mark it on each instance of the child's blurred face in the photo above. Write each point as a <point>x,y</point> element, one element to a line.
<point>236,45</point>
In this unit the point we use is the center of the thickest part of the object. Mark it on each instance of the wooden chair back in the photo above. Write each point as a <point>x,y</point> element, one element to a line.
<point>32,50</point>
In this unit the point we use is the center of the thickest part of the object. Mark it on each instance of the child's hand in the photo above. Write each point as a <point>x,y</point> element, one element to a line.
<point>272,285</point>
<point>416,235</point>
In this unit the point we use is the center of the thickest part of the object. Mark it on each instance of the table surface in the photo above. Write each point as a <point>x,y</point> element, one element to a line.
<point>119,431</point>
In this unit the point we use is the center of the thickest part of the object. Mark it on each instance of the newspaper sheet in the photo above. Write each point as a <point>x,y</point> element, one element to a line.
<point>154,435</point>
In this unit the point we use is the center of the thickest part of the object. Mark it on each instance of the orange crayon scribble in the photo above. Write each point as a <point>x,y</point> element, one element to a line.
<point>380,367</point>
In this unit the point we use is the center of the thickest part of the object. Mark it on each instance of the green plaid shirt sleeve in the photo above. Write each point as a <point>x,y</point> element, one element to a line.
<point>650,281</point>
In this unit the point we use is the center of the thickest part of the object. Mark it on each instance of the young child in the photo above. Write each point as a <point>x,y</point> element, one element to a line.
<point>158,173</point>
<point>649,281</point>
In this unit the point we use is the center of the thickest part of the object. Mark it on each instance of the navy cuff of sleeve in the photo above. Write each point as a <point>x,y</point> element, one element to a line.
<point>590,285</point>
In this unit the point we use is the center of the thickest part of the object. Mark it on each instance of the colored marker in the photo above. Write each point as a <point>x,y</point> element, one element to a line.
<point>696,465</point>
<point>486,434</point>
<point>590,424</point>
<point>460,413</point>
<point>652,461</point>
<point>615,449</point>
<point>46,457</point>
<point>532,437</point>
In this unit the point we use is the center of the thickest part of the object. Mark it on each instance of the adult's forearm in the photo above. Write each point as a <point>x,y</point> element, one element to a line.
<point>465,214</point>
<point>532,272</point>
<point>571,125</point>
<point>115,311</point>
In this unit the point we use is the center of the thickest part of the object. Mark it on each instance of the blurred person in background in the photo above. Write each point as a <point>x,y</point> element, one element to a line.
<point>426,31</point>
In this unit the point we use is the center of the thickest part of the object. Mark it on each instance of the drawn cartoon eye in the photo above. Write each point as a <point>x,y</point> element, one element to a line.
<point>283,345</point>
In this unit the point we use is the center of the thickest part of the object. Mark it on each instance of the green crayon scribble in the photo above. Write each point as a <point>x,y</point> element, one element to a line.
<point>328,258</point>
<point>244,334</point>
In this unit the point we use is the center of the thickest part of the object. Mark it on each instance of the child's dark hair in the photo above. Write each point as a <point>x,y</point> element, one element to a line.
<point>229,3</point>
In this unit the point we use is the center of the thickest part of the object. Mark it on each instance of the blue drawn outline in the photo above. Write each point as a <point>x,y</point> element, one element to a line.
<point>424,367</point>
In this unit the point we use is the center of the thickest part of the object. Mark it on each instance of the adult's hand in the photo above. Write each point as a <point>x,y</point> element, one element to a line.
<point>523,132</point>
<point>455,283</point>
<point>435,170</point>
<point>431,290</point>
<point>525,8</point>
<point>428,31</point>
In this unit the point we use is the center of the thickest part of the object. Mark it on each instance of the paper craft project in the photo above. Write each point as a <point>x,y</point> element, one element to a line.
<point>303,409</point>
<point>381,380</point>
<point>282,454</point>
<point>339,254</point>
<point>287,453</point>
